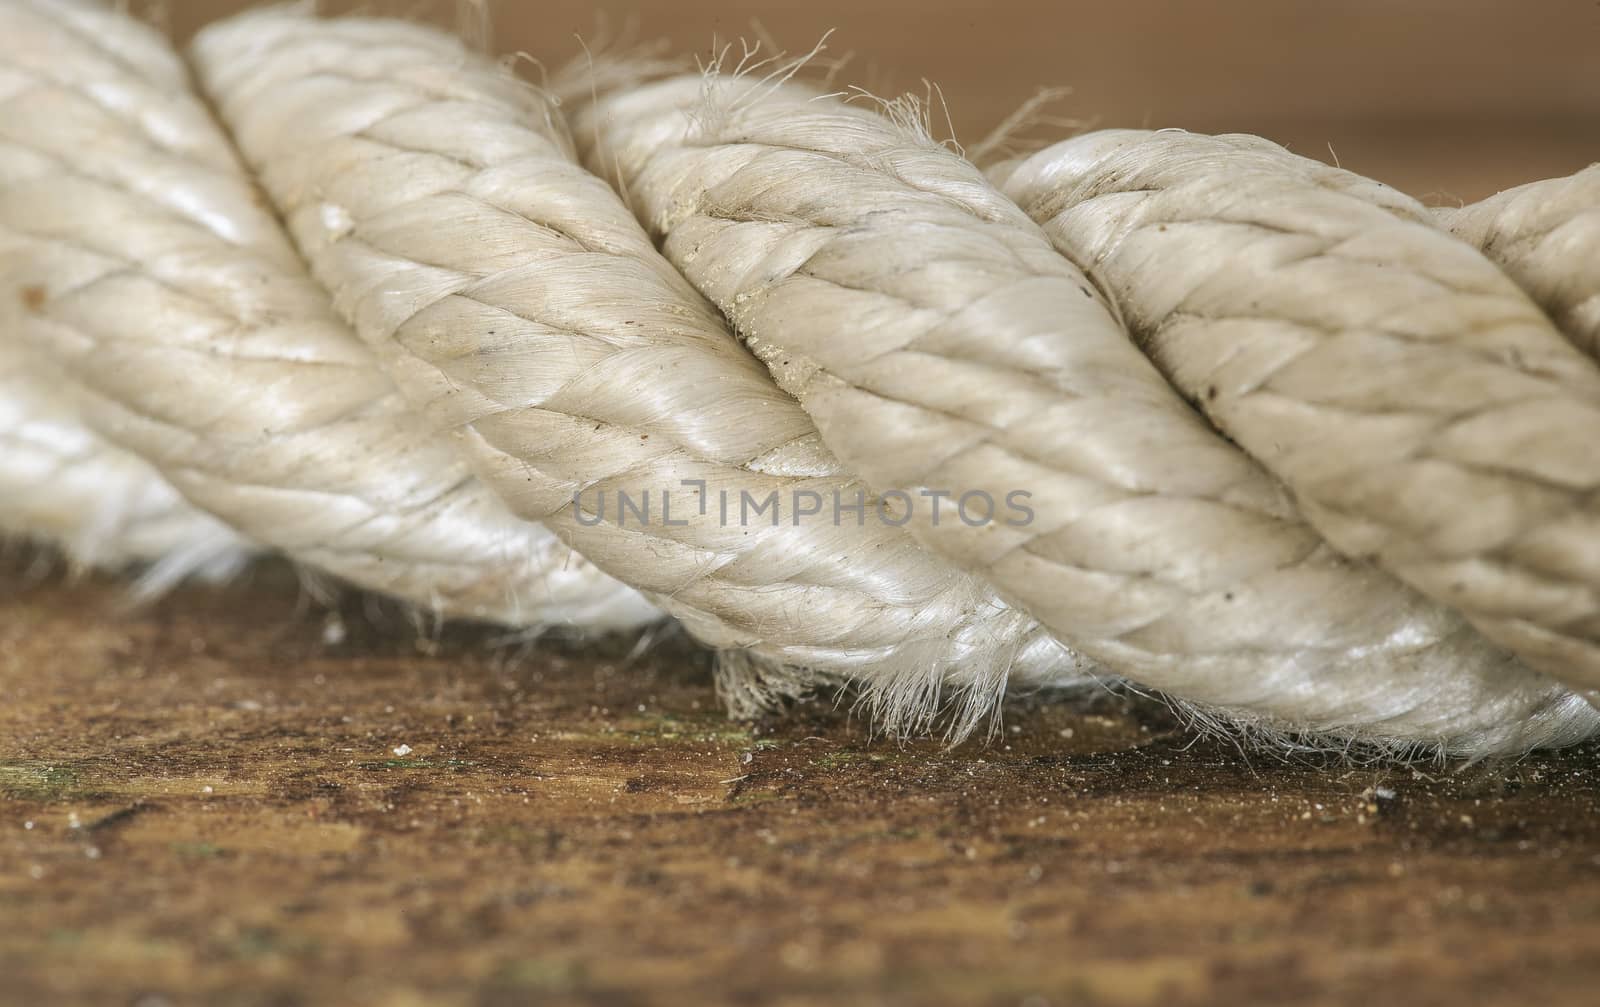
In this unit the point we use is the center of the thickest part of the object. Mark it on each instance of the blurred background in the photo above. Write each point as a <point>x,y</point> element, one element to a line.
<point>1449,100</point>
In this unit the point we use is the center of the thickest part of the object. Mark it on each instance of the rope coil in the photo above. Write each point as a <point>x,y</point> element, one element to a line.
<point>484,344</point>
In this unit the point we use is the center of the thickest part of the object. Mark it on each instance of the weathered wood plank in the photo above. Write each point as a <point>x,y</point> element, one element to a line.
<point>209,801</point>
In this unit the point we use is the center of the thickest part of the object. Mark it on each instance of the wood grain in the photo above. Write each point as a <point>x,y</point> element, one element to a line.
<point>209,802</point>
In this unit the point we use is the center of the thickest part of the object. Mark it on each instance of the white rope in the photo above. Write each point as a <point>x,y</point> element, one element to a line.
<point>512,323</point>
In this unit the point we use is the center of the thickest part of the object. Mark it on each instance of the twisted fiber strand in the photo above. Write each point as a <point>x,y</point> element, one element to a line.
<point>515,298</point>
<point>940,342</point>
<point>1546,236</point>
<point>136,254</point>
<point>1423,409</point>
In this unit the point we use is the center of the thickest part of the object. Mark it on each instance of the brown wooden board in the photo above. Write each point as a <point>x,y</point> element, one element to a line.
<point>203,802</point>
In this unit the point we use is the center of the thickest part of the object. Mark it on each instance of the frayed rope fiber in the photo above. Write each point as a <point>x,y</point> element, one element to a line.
<point>1190,412</point>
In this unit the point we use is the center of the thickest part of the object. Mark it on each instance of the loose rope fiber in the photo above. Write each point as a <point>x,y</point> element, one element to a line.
<point>1345,497</point>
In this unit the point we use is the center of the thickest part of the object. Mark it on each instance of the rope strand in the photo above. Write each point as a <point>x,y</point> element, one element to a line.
<point>1424,411</point>
<point>147,270</point>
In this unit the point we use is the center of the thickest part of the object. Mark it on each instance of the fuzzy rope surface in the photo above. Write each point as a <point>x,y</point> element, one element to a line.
<point>460,342</point>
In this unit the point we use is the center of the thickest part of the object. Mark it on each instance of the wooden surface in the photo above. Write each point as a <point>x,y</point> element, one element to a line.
<point>204,803</point>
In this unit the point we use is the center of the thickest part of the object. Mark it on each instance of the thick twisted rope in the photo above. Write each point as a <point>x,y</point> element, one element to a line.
<point>515,336</point>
